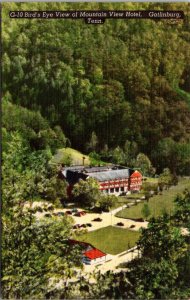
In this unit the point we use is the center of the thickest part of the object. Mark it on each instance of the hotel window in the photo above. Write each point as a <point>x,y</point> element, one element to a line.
<point>111,190</point>
<point>117,189</point>
<point>122,189</point>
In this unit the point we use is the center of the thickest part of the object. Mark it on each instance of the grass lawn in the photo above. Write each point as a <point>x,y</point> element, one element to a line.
<point>76,156</point>
<point>150,180</point>
<point>111,240</point>
<point>157,204</point>
<point>134,196</point>
<point>121,201</point>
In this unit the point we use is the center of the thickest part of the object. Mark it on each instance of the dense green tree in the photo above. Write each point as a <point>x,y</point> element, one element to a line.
<point>182,214</point>
<point>55,190</point>
<point>92,145</point>
<point>35,254</point>
<point>130,150</point>
<point>94,159</point>
<point>118,156</point>
<point>87,192</point>
<point>144,164</point>
<point>32,126</point>
<point>167,154</point>
<point>183,158</point>
<point>105,202</point>
<point>146,211</point>
<point>171,245</point>
<point>165,179</point>
<point>159,281</point>
<point>173,155</point>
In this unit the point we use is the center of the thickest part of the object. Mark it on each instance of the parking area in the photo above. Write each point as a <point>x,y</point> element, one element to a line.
<point>107,219</point>
<point>93,221</point>
<point>90,221</point>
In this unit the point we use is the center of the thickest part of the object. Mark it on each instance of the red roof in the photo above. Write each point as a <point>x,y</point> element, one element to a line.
<point>94,253</point>
<point>136,174</point>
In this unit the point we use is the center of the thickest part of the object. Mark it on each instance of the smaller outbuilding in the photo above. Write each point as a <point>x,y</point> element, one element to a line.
<point>93,256</point>
<point>90,254</point>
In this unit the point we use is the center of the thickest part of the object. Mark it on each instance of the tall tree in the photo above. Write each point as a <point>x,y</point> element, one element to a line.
<point>35,254</point>
<point>87,192</point>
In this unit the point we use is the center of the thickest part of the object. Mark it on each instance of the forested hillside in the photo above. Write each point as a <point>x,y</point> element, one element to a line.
<point>124,82</point>
<point>118,92</point>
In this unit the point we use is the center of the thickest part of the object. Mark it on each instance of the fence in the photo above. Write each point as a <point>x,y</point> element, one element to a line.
<point>127,251</point>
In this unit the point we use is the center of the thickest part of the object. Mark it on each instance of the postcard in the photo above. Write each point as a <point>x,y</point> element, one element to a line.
<point>95,150</point>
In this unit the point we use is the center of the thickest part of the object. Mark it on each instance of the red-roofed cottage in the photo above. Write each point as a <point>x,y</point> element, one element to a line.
<point>90,254</point>
<point>93,256</point>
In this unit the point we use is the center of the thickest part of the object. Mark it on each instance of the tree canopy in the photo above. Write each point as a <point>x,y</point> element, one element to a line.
<point>103,85</point>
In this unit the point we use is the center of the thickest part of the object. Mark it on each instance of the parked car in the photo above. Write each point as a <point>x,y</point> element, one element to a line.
<point>83,212</point>
<point>54,214</point>
<point>96,209</point>
<point>77,214</point>
<point>48,215</point>
<point>97,220</point>
<point>88,224</point>
<point>80,213</point>
<point>39,209</point>
<point>50,208</point>
<point>68,212</point>
<point>132,226</point>
<point>120,224</point>
<point>74,210</point>
<point>83,226</point>
<point>76,226</point>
